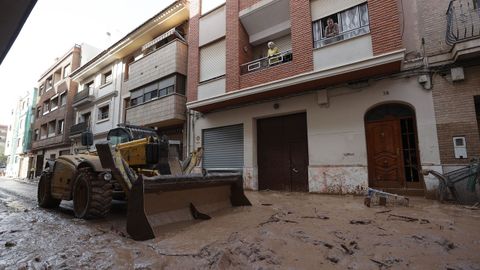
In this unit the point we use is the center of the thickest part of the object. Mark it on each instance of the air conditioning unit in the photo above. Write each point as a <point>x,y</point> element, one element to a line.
<point>460,147</point>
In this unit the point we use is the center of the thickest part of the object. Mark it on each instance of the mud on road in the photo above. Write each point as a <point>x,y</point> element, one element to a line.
<point>280,231</point>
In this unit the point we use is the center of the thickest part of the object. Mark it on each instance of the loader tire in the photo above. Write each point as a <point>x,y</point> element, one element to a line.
<point>44,192</point>
<point>92,196</point>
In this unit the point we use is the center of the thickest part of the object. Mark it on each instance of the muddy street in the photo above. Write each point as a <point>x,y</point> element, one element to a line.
<point>280,231</point>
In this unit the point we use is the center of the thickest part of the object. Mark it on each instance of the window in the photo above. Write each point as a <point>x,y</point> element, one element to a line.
<point>40,89</point>
<point>341,26</point>
<point>64,152</point>
<point>103,112</point>
<point>107,77</point>
<point>53,156</point>
<point>66,71</point>
<point>49,83</point>
<point>19,141</point>
<point>36,135</point>
<point>155,90</point>
<point>46,106</point>
<point>60,126</point>
<point>212,60</point>
<point>63,99</point>
<point>84,118</point>
<point>39,112</point>
<point>89,86</point>
<point>43,131</point>
<point>51,128</point>
<point>54,103</point>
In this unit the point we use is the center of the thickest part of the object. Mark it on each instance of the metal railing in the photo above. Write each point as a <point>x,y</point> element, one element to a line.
<point>78,128</point>
<point>463,21</point>
<point>265,62</point>
<point>81,95</point>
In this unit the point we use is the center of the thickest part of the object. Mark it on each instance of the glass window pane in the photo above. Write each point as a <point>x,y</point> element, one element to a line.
<point>363,9</point>
<point>350,19</point>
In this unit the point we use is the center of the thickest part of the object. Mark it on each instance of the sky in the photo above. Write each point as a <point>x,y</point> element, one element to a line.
<point>54,27</point>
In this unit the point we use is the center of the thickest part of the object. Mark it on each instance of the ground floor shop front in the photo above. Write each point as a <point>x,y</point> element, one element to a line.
<point>339,140</point>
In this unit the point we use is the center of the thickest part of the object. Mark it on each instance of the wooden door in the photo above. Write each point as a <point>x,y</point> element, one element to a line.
<point>385,162</point>
<point>282,153</point>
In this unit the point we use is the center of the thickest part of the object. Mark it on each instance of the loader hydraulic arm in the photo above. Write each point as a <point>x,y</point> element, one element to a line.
<point>111,158</point>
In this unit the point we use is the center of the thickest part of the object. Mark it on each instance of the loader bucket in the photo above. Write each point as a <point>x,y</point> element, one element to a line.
<point>156,202</point>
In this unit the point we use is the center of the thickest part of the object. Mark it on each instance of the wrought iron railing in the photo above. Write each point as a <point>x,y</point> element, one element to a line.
<point>463,21</point>
<point>265,62</point>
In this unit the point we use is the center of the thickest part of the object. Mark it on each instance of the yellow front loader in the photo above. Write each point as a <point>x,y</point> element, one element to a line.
<point>160,190</point>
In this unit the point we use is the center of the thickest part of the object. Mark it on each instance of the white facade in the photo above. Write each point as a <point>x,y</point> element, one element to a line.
<point>337,148</point>
<point>104,93</point>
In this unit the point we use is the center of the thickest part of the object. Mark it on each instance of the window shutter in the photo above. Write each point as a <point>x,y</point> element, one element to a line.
<point>212,60</point>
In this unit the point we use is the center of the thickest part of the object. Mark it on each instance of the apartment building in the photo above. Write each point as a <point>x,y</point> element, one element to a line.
<point>54,111</point>
<point>451,33</point>
<point>139,80</point>
<point>97,102</point>
<point>19,157</point>
<point>337,109</point>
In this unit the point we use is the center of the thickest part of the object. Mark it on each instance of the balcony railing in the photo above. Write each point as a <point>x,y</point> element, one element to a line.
<point>266,62</point>
<point>83,96</point>
<point>78,128</point>
<point>463,21</point>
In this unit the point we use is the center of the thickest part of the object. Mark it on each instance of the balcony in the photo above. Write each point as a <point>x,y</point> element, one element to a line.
<point>83,97</point>
<point>78,128</point>
<point>160,112</point>
<point>168,59</point>
<point>463,21</point>
<point>266,62</point>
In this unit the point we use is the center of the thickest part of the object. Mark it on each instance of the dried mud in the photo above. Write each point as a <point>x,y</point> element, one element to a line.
<point>280,231</point>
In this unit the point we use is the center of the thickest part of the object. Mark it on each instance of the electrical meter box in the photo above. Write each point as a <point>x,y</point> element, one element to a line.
<point>460,147</point>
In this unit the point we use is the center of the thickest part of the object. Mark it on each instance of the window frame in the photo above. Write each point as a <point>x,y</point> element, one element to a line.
<point>107,75</point>
<point>319,26</point>
<point>65,74</point>
<point>60,126</point>
<point>99,114</point>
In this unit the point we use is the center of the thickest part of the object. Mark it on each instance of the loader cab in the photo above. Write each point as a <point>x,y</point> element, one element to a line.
<point>126,133</point>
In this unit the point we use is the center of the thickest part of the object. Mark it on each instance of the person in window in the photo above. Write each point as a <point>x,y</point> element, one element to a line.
<point>331,29</point>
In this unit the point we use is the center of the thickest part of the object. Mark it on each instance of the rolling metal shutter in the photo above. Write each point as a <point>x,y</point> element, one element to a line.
<point>223,147</point>
<point>213,60</point>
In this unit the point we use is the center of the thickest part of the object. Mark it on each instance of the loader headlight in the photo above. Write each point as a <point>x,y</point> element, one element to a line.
<point>107,176</point>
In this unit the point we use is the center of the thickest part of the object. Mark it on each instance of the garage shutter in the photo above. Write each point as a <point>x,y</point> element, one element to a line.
<point>212,60</point>
<point>223,147</point>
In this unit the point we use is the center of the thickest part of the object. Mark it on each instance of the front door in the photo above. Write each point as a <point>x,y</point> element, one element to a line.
<point>385,164</point>
<point>392,149</point>
<point>282,153</point>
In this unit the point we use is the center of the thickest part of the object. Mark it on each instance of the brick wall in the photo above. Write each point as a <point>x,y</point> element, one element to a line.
<point>432,19</point>
<point>455,114</point>
<point>193,72</point>
<point>233,46</point>
<point>243,4</point>
<point>385,26</point>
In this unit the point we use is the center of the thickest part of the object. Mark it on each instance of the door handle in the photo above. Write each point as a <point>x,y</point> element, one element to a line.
<point>295,170</point>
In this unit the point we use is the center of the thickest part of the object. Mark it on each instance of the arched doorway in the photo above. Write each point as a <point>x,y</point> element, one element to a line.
<point>392,148</point>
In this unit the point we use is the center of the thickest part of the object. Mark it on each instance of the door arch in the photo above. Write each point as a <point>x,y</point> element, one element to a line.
<point>392,147</point>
